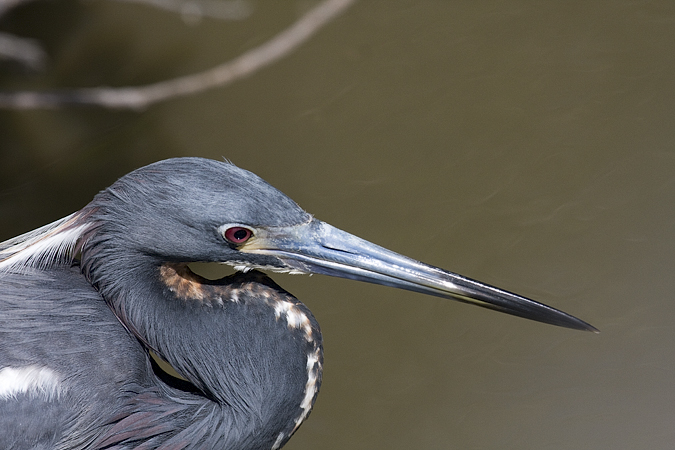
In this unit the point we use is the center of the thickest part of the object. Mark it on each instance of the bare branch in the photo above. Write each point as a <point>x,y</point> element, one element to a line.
<point>193,10</point>
<point>6,5</point>
<point>26,51</point>
<point>141,97</point>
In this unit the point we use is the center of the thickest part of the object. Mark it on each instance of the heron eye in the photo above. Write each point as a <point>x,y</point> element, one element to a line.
<point>238,235</point>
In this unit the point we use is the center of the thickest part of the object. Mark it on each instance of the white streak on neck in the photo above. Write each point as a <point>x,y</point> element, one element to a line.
<point>297,319</point>
<point>311,388</point>
<point>313,366</point>
<point>280,439</point>
<point>44,246</point>
<point>34,381</point>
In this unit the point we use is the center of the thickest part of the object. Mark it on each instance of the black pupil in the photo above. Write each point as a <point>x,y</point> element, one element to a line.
<point>240,234</point>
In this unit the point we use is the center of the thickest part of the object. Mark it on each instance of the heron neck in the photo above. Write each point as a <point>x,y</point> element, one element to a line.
<point>228,337</point>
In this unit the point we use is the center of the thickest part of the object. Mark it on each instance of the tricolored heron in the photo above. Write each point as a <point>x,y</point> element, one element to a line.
<point>85,299</point>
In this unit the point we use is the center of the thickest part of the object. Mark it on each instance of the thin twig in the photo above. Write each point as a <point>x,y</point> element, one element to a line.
<point>6,5</point>
<point>214,9</point>
<point>140,97</point>
<point>25,51</point>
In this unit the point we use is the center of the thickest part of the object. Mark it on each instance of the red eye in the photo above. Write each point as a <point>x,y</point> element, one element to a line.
<point>238,235</point>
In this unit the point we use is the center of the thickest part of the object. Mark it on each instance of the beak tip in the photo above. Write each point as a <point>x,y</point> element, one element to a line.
<point>579,324</point>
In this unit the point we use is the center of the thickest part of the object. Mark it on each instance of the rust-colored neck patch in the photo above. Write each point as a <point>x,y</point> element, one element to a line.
<point>256,287</point>
<point>187,285</point>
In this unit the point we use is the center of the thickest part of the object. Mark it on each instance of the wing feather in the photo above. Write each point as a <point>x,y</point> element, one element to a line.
<point>47,246</point>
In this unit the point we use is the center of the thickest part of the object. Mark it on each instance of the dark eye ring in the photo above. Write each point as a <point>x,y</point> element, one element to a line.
<point>238,235</point>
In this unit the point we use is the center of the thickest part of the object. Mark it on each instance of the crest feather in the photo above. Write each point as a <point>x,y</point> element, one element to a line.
<point>44,247</point>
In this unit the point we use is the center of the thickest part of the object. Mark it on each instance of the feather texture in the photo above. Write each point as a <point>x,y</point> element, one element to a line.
<point>45,247</point>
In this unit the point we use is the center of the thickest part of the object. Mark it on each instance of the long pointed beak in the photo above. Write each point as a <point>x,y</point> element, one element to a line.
<point>316,247</point>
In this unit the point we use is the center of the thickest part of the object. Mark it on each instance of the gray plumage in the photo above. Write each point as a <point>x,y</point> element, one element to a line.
<point>83,301</point>
<point>52,316</point>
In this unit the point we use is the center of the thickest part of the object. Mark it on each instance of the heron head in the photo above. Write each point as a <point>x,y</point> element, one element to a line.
<point>193,209</point>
